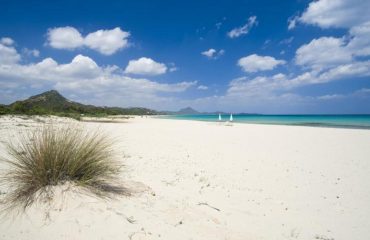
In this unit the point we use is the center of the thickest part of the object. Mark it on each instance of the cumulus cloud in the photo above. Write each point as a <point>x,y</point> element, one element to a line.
<point>106,42</point>
<point>83,73</point>
<point>344,71</point>
<point>359,42</point>
<point>338,13</point>
<point>213,53</point>
<point>255,63</point>
<point>324,52</point>
<point>6,41</point>
<point>239,31</point>
<point>257,85</point>
<point>49,71</point>
<point>328,52</point>
<point>65,38</point>
<point>8,54</point>
<point>145,66</point>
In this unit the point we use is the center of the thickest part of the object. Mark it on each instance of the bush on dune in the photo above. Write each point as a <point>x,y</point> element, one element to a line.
<point>52,156</point>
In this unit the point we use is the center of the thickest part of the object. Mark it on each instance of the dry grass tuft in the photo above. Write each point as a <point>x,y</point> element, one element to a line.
<point>51,156</point>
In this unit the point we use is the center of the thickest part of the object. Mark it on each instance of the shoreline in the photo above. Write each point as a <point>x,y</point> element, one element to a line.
<point>314,125</point>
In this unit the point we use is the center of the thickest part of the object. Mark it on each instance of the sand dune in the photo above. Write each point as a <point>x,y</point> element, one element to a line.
<point>199,180</point>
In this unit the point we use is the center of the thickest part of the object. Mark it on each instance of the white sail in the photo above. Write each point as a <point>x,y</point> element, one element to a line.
<point>219,117</point>
<point>231,117</point>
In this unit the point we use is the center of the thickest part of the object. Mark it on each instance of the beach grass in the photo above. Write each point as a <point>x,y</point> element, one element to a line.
<point>55,155</point>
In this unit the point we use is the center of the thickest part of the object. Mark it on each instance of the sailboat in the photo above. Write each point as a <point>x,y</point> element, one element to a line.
<point>219,117</point>
<point>230,122</point>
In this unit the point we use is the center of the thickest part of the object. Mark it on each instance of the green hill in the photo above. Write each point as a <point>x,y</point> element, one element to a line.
<point>53,103</point>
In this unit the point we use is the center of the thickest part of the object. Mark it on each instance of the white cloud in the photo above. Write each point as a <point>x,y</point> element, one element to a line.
<point>237,32</point>
<point>145,66</point>
<point>209,53</point>
<point>341,72</point>
<point>65,38</point>
<point>330,52</point>
<point>49,71</point>
<point>106,42</point>
<point>322,53</point>
<point>80,67</point>
<point>345,71</point>
<point>8,54</point>
<point>257,86</point>
<point>333,58</point>
<point>255,63</point>
<point>6,41</point>
<point>336,13</point>
<point>202,87</point>
<point>213,53</point>
<point>360,39</point>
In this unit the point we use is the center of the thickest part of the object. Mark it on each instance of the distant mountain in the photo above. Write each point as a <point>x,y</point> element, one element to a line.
<point>188,110</point>
<point>53,103</point>
<point>183,111</point>
<point>191,111</point>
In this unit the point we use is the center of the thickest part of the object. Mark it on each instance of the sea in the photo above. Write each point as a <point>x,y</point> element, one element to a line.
<point>336,121</point>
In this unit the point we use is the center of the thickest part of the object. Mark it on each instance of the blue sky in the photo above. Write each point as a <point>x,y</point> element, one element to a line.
<point>295,56</point>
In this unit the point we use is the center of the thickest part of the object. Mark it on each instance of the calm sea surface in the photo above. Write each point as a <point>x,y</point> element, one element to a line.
<point>340,121</point>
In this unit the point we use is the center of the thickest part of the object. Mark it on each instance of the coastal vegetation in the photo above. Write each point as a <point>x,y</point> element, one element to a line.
<point>52,156</point>
<point>53,103</point>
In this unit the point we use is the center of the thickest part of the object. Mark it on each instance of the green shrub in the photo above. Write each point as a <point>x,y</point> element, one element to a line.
<point>51,156</point>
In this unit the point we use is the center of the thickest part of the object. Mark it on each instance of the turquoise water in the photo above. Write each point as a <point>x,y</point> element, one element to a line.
<point>340,121</point>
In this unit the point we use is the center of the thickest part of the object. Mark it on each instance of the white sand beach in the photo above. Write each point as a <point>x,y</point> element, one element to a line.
<point>203,180</point>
